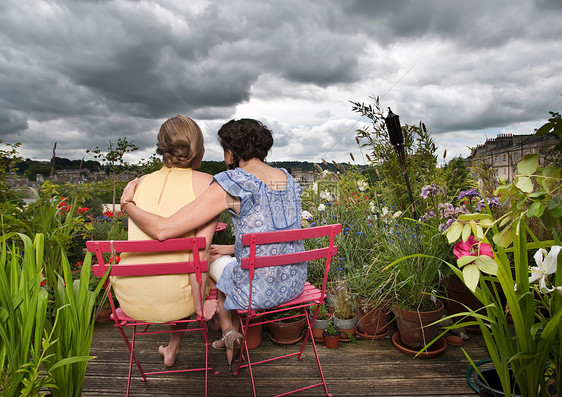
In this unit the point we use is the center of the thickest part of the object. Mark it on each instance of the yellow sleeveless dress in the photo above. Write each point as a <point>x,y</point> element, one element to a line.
<point>166,297</point>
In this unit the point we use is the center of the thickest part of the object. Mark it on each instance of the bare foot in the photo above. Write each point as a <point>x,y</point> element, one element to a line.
<point>210,307</point>
<point>169,356</point>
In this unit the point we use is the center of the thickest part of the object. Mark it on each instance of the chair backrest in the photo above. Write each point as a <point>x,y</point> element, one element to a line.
<point>254,239</point>
<point>193,244</point>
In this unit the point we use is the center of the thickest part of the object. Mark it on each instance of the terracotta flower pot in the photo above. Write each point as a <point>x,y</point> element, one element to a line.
<point>412,325</point>
<point>286,333</point>
<point>254,333</point>
<point>346,326</point>
<point>319,326</point>
<point>373,321</point>
<point>459,294</point>
<point>331,341</point>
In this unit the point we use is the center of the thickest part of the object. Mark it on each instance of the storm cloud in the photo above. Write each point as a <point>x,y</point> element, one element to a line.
<point>83,72</point>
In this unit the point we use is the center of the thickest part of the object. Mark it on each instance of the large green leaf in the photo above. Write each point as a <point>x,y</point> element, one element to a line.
<point>505,237</point>
<point>454,232</point>
<point>486,264</point>
<point>471,275</point>
<point>528,164</point>
<point>525,184</point>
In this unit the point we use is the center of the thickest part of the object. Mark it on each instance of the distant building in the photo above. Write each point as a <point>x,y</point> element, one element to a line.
<point>504,152</point>
<point>304,178</point>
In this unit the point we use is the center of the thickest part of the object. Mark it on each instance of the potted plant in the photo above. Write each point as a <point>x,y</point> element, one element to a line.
<point>286,331</point>
<point>417,252</point>
<point>518,279</point>
<point>321,322</point>
<point>345,318</point>
<point>331,335</point>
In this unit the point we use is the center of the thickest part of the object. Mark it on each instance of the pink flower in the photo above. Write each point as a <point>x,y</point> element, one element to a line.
<point>472,247</point>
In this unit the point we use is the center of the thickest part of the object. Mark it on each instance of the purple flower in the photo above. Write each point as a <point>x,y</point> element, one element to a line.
<point>492,202</point>
<point>446,225</point>
<point>427,215</point>
<point>431,190</point>
<point>469,194</point>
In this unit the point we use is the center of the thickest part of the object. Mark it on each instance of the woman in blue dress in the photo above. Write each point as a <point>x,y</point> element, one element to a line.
<point>259,198</point>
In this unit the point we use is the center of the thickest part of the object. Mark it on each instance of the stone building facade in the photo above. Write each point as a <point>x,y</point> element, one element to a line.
<point>504,152</point>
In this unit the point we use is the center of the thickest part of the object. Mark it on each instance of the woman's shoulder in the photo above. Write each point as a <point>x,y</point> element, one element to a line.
<point>203,177</point>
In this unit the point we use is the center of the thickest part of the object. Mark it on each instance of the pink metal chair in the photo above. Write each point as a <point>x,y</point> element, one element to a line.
<point>309,297</point>
<point>197,266</point>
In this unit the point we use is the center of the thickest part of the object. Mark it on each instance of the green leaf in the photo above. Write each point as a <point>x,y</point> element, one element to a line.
<point>479,232</point>
<point>486,265</point>
<point>471,275</point>
<point>465,260</point>
<point>505,237</point>
<point>535,210</point>
<point>466,231</point>
<point>554,206</point>
<point>524,184</point>
<point>551,172</point>
<point>528,164</point>
<point>454,232</point>
<point>71,360</point>
<point>544,129</point>
<point>472,217</point>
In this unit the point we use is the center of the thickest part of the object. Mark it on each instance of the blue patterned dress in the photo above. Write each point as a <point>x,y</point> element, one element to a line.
<point>262,210</point>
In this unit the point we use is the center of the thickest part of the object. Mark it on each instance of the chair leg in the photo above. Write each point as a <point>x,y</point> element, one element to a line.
<point>244,325</point>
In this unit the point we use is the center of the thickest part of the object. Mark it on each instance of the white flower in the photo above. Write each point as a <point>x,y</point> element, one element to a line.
<point>315,187</point>
<point>396,214</point>
<point>546,264</point>
<point>325,173</point>
<point>372,207</point>
<point>321,208</point>
<point>362,185</point>
<point>306,215</point>
<point>384,211</point>
<point>326,195</point>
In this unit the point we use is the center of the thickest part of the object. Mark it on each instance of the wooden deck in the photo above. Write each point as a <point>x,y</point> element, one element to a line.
<point>362,368</point>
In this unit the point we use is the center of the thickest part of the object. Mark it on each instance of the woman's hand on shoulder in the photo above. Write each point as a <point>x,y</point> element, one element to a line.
<point>130,189</point>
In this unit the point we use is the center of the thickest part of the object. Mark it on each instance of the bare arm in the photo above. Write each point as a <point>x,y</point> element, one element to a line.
<point>199,212</point>
<point>206,231</point>
<point>218,250</point>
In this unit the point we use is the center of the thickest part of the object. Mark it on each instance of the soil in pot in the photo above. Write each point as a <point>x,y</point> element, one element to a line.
<point>412,325</point>
<point>492,387</point>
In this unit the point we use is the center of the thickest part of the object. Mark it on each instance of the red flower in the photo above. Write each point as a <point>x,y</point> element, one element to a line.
<point>115,259</point>
<point>83,209</point>
<point>472,247</point>
<point>78,264</point>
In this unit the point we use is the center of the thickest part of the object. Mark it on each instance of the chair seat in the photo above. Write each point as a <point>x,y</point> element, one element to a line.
<point>123,318</point>
<point>309,294</point>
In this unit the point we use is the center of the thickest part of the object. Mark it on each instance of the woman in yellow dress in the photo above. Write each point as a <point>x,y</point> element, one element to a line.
<point>169,297</point>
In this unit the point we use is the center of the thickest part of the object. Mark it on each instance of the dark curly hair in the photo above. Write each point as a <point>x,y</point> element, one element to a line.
<point>246,139</point>
<point>180,142</point>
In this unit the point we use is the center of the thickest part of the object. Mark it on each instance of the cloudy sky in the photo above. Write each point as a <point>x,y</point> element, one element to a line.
<point>81,73</point>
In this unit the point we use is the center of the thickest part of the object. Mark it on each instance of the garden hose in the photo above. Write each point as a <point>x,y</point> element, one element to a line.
<point>469,373</point>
